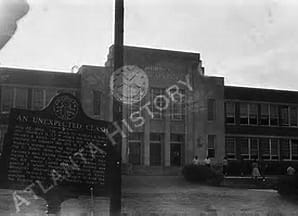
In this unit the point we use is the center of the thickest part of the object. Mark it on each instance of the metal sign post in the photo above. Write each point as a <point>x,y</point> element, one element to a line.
<point>115,204</point>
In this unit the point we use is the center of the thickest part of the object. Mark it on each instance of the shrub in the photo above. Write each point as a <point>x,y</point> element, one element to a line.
<point>203,174</point>
<point>236,167</point>
<point>288,185</point>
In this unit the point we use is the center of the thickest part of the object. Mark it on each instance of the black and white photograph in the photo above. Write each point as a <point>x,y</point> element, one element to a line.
<point>148,108</point>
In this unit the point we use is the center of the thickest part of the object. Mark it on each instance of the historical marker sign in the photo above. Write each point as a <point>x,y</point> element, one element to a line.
<point>57,146</point>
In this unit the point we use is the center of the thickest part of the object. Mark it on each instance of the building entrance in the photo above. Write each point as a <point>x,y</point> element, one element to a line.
<point>175,154</point>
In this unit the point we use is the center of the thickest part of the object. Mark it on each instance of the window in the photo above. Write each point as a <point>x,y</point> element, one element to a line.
<point>231,147</point>
<point>6,98</point>
<point>155,148</point>
<point>97,97</point>
<point>134,148</point>
<point>178,108</point>
<point>294,149</point>
<point>211,109</point>
<point>244,153</point>
<point>38,99</point>
<point>230,113</point>
<point>284,115</point>
<point>21,95</point>
<point>274,149</point>
<point>211,145</point>
<point>273,115</point>
<point>293,116</point>
<point>254,148</point>
<point>243,113</point>
<point>265,148</point>
<point>50,93</point>
<point>177,141</point>
<point>284,149</point>
<point>253,114</point>
<point>158,114</point>
<point>264,118</point>
<point>2,132</point>
<point>135,105</point>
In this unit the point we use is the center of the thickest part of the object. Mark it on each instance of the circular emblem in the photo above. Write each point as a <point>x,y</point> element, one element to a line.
<point>129,84</point>
<point>66,108</point>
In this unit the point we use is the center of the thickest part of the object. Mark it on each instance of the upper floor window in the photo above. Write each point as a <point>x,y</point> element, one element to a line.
<point>178,107</point>
<point>38,98</point>
<point>273,115</point>
<point>50,93</point>
<point>211,109</point>
<point>253,114</point>
<point>293,116</point>
<point>230,113</point>
<point>97,97</point>
<point>7,96</point>
<point>244,113</point>
<point>284,115</point>
<point>21,95</point>
<point>157,103</point>
<point>264,117</point>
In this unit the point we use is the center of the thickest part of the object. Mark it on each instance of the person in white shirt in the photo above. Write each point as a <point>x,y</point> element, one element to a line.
<point>207,161</point>
<point>291,170</point>
<point>195,161</point>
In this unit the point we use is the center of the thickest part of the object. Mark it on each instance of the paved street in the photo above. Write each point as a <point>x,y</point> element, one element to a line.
<point>155,195</point>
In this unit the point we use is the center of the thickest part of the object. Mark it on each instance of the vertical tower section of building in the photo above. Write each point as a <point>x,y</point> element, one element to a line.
<point>176,128</point>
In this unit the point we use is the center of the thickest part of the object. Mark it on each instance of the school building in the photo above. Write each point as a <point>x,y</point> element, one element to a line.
<point>213,119</point>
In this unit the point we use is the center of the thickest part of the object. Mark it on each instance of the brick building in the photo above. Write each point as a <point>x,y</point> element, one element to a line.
<point>214,119</point>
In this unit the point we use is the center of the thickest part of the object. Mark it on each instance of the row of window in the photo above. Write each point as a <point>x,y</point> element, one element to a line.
<point>261,114</point>
<point>24,98</point>
<point>262,148</point>
<point>135,143</point>
<point>177,108</point>
<point>159,105</point>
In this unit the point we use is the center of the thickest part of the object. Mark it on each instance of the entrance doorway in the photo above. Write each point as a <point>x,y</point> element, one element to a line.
<point>155,154</point>
<point>175,154</point>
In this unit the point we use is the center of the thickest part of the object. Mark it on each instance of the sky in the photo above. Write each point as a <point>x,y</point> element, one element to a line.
<point>250,43</point>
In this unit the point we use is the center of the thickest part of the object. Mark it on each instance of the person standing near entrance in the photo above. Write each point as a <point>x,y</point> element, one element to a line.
<point>290,170</point>
<point>255,170</point>
<point>207,161</point>
<point>195,161</point>
<point>225,166</point>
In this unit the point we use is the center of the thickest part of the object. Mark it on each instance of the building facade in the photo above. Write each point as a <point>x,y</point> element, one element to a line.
<point>31,89</point>
<point>211,119</point>
<point>261,124</point>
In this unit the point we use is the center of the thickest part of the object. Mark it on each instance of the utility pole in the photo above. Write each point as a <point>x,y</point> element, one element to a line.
<point>115,203</point>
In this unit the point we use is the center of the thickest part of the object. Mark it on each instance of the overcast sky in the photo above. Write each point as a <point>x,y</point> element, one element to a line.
<point>250,43</point>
